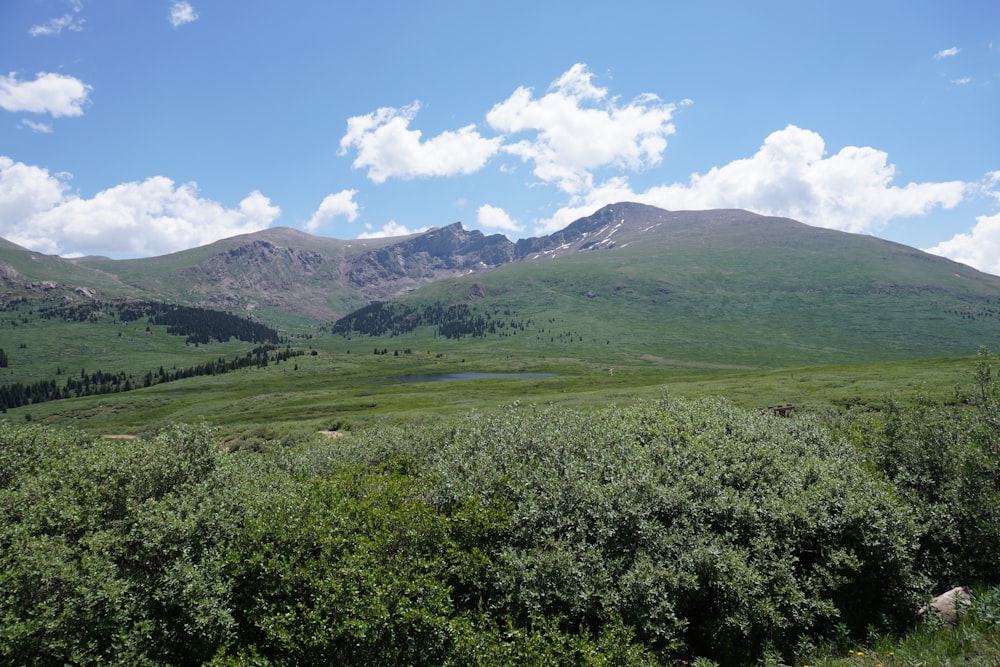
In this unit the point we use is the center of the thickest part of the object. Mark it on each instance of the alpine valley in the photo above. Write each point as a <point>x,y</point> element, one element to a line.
<point>453,449</point>
<point>626,300</point>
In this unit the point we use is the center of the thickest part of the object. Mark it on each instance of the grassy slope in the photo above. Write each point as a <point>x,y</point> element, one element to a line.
<point>761,310</point>
<point>177,276</point>
<point>772,293</point>
<point>33,266</point>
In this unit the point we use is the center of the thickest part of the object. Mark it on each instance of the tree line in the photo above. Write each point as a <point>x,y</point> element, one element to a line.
<point>199,325</point>
<point>18,394</point>
<point>452,321</point>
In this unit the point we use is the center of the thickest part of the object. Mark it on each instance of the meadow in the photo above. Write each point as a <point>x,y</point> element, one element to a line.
<point>624,502</point>
<point>660,531</point>
<point>350,381</point>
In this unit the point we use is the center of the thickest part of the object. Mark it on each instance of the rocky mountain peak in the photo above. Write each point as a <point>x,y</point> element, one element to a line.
<point>417,260</point>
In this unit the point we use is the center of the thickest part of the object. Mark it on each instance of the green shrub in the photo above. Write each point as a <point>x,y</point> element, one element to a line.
<point>697,524</point>
<point>346,570</point>
<point>945,461</point>
<point>635,535</point>
<point>106,549</point>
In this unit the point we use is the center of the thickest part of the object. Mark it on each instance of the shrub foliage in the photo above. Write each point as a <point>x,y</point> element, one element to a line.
<point>527,535</point>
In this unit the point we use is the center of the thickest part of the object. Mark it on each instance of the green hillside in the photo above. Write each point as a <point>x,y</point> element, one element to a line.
<point>275,274</point>
<point>733,288</point>
<point>630,302</point>
<point>24,273</point>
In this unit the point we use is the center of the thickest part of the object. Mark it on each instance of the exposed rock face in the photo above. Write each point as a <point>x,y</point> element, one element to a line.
<point>595,232</point>
<point>448,251</point>
<point>263,266</point>
<point>438,253</point>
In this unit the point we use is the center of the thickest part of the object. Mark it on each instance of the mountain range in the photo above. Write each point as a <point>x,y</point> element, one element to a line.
<point>283,270</point>
<point>669,276</point>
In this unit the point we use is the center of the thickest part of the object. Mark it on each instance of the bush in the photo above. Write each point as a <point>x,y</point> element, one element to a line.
<point>529,535</point>
<point>945,461</point>
<point>345,570</point>
<point>106,549</point>
<point>699,525</point>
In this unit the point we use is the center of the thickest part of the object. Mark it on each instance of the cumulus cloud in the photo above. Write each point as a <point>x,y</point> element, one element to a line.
<point>338,204</point>
<point>54,94</point>
<point>575,128</point>
<point>145,218</point>
<point>389,149</point>
<point>791,175</point>
<point>69,21</point>
<point>947,53</point>
<point>979,248</point>
<point>565,135</point>
<point>496,218</point>
<point>181,13</point>
<point>25,191</point>
<point>391,228</point>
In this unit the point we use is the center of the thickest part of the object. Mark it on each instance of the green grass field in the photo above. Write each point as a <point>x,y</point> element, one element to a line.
<point>576,359</point>
<point>344,382</point>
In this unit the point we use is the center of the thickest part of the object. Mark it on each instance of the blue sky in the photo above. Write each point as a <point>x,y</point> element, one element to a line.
<point>132,129</point>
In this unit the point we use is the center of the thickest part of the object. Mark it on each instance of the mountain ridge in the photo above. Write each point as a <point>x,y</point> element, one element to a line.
<point>284,273</point>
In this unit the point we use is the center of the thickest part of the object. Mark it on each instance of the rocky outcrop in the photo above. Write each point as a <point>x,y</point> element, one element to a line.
<point>449,251</point>
<point>262,266</point>
<point>439,253</point>
<point>600,231</point>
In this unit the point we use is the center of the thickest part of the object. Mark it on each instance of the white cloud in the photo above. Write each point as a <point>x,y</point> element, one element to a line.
<point>388,148</point>
<point>68,21</point>
<point>979,248</point>
<point>391,228</point>
<point>990,183</point>
<point>340,203</point>
<point>43,128</point>
<point>947,53</point>
<point>181,13</point>
<point>145,218</point>
<point>496,218</point>
<point>572,130</point>
<point>26,191</point>
<point>54,94</point>
<point>963,81</point>
<point>576,128</point>
<point>790,176</point>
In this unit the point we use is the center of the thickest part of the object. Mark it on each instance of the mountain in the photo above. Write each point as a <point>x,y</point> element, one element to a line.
<point>733,287</point>
<point>755,287</point>
<point>279,272</point>
<point>28,274</point>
